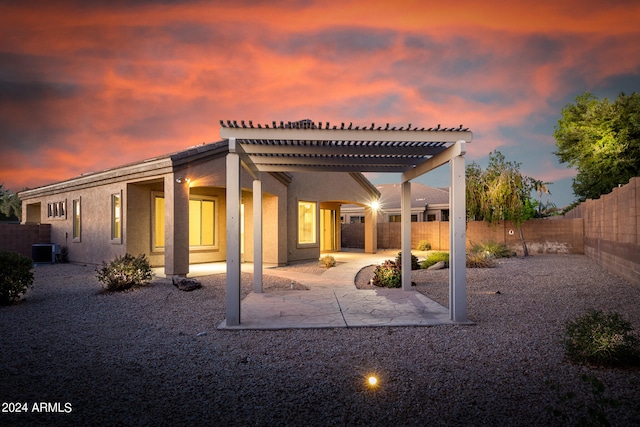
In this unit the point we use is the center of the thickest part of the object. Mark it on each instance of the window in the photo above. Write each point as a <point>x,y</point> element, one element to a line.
<point>116,218</point>
<point>158,223</point>
<point>306,223</point>
<point>76,220</point>
<point>444,214</point>
<point>398,218</point>
<point>202,222</point>
<point>57,210</point>
<point>356,220</point>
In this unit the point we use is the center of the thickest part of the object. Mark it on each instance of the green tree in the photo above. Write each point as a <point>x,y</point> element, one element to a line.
<point>500,192</point>
<point>601,140</point>
<point>10,205</point>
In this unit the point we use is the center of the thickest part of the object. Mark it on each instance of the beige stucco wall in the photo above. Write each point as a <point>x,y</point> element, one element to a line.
<point>318,187</point>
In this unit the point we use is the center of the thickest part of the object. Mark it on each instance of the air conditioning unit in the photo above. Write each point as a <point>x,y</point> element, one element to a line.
<point>45,253</point>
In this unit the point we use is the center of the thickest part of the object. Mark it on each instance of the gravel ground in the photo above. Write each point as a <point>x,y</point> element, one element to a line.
<point>153,356</point>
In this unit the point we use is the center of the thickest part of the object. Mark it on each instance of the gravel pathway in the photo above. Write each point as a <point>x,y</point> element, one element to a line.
<point>153,356</point>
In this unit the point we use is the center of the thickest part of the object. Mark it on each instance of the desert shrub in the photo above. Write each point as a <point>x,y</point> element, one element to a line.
<point>16,276</point>
<point>600,338</point>
<point>423,245</point>
<point>414,261</point>
<point>328,261</point>
<point>480,260</point>
<point>125,272</point>
<point>495,249</point>
<point>387,275</point>
<point>435,257</point>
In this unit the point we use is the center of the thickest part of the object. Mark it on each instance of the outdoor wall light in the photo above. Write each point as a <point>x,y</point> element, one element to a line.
<point>375,205</point>
<point>181,180</point>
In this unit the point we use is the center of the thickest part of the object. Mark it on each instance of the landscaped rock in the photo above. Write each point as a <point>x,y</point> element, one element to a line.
<point>438,266</point>
<point>186,284</point>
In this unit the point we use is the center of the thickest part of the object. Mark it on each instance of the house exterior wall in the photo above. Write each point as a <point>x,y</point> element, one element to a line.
<point>320,188</point>
<point>205,169</point>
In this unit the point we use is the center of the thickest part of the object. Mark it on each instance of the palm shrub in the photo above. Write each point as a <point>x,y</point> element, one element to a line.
<point>480,260</point>
<point>600,338</point>
<point>434,258</point>
<point>387,275</point>
<point>493,248</point>
<point>16,276</point>
<point>414,261</point>
<point>125,272</point>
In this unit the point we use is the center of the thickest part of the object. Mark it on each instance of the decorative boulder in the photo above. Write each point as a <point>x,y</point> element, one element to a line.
<point>438,266</point>
<point>186,284</point>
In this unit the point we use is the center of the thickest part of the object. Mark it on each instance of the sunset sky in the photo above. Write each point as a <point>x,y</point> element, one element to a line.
<point>86,85</point>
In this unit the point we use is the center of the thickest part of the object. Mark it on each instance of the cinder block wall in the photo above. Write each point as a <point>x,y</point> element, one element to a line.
<point>542,236</point>
<point>611,227</point>
<point>20,237</point>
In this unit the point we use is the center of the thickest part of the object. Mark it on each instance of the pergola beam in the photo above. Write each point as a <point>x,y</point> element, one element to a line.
<point>288,134</point>
<point>372,149</point>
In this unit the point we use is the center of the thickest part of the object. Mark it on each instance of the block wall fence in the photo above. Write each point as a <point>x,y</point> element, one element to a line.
<point>607,230</point>
<point>543,236</point>
<point>611,230</point>
<point>20,237</point>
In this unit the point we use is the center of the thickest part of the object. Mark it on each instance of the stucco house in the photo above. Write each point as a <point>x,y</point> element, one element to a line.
<point>427,204</point>
<point>172,208</point>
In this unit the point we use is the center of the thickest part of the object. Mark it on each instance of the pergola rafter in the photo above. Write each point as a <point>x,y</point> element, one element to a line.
<point>306,146</point>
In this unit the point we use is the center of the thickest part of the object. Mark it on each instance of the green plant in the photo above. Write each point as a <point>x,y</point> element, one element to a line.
<point>434,258</point>
<point>125,272</point>
<point>495,249</point>
<point>328,261</point>
<point>423,245</point>
<point>414,261</point>
<point>16,276</point>
<point>387,275</point>
<point>480,260</point>
<point>601,338</point>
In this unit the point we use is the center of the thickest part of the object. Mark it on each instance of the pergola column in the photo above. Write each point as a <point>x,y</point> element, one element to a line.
<point>457,242</point>
<point>370,230</point>
<point>233,198</point>
<point>257,236</point>
<point>405,231</point>
<point>176,226</point>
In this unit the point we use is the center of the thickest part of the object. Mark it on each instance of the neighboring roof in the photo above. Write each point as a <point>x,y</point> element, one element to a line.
<point>421,196</point>
<point>307,146</point>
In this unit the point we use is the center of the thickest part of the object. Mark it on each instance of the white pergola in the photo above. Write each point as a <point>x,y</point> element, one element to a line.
<point>307,146</point>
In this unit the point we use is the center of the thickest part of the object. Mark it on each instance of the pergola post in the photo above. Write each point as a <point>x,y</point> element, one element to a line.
<point>257,236</point>
<point>370,230</point>
<point>405,231</point>
<point>233,198</point>
<point>457,242</point>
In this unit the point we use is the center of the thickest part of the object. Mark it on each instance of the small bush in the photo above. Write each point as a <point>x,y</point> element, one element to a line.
<point>328,261</point>
<point>387,275</point>
<point>480,260</point>
<point>600,338</point>
<point>125,272</point>
<point>435,257</point>
<point>414,261</point>
<point>16,276</point>
<point>423,245</point>
<point>492,248</point>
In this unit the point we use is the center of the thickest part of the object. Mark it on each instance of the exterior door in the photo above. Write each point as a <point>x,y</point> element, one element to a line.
<point>327,230</point>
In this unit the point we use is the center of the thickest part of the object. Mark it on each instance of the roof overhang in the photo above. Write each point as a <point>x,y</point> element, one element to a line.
<point>305,146</point>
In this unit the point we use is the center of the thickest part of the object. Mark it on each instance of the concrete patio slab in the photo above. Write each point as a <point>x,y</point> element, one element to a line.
<point>333,301</point>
